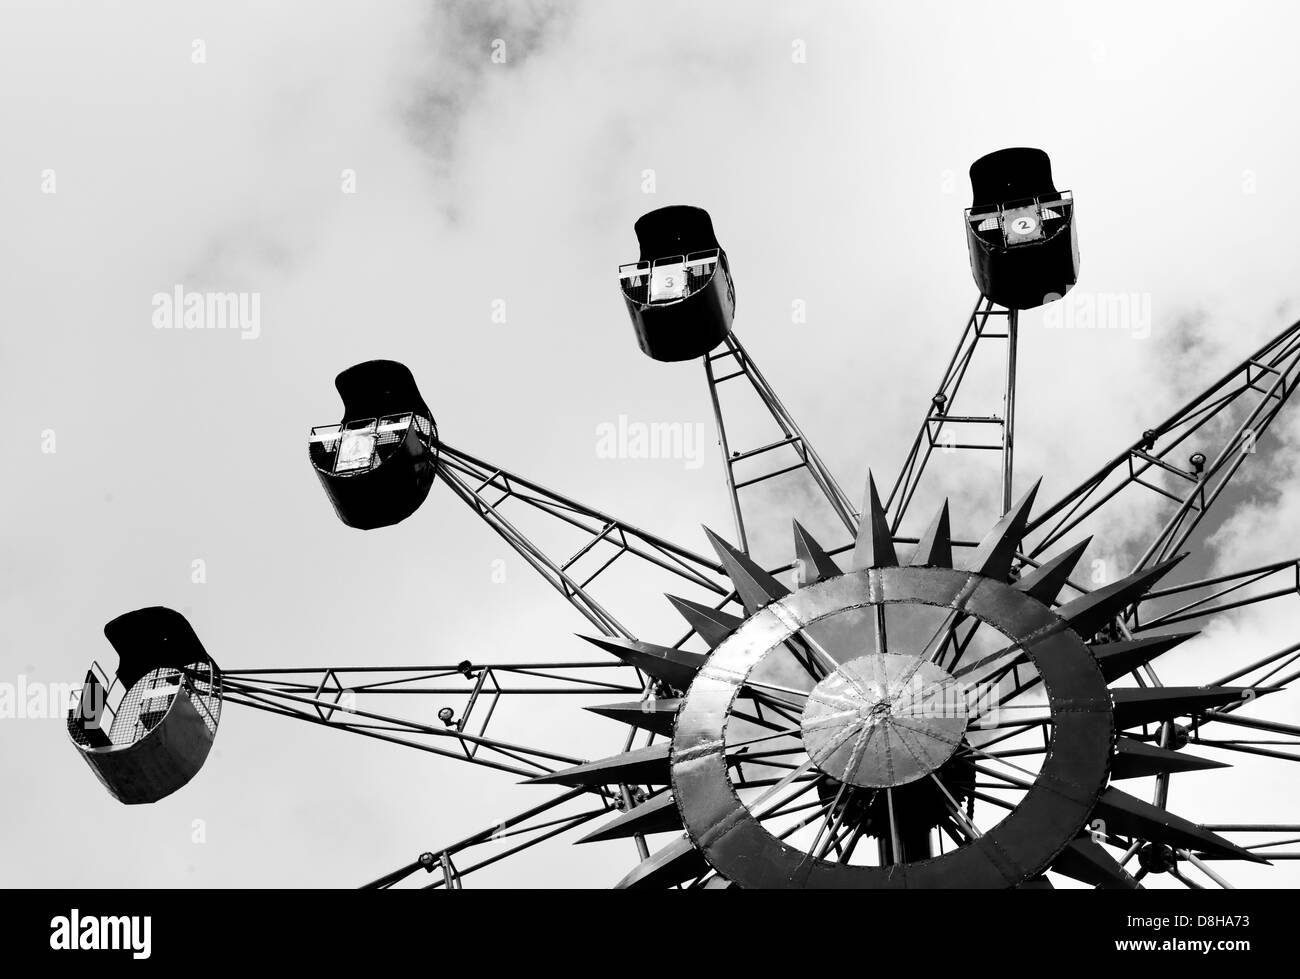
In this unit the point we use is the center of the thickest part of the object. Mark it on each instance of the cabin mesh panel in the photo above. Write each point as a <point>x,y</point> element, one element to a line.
<point>392,430</point>
<point>77,727</point>
<point>699,270</point>
<point>94,699</point>
<point>205,692</point>
<point>1056,210</point>
<point>77,731</point>
<point>1052,212</point>
<point>150,697</point>
<point>635,280</point>
<point>324,446</point>
<point>390,434</point>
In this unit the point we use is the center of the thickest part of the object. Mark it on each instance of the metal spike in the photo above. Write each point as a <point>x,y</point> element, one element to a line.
<point>675,667</point>
<point>809,555</point>
<point>755,586</point>
<point>1046,581</point>
<point>998,548</point>
<point>1143,705</point>
<point>1088,613</point>
<point>875,544</point>
<point>676,863</point>
<point>640,766</point>
<point>1137,759</point>
<point>935,547</point>
<point>658,815</point>
<point>1087,860</point>
<point>1119,658</point>
<point>712,624</point>
<point>655,715</point>
<point>1129,816</point>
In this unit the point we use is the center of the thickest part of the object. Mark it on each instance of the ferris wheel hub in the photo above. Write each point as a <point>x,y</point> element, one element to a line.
<point>883,720</point>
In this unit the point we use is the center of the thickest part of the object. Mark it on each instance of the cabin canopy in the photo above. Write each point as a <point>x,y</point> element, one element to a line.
<point>1012,174</point>
<point>379,387</point>
<point>678,229</point>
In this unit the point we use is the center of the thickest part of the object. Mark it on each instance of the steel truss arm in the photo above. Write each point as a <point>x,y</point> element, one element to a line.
<point>732,363</point>
<point>1196,599</point>
<point>946,431</point>
<point>506,836</point>
<point>1245,401</point>
<point>350,699</point>
<point>1229,418</point>
<point>604,538</point>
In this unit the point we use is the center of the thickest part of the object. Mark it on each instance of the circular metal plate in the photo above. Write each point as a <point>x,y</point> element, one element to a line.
<point>1050,814</point>
<point>884,720</point>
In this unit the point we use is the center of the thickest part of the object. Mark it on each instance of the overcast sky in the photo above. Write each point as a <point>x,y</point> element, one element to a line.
<point>837,179</point>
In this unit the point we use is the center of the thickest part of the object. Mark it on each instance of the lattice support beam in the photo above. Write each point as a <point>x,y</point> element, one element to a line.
<point>952,433</point>
<point>351,699</point>
<point>1244,402</point>
<point>732,363</point>
<point>605,539</point>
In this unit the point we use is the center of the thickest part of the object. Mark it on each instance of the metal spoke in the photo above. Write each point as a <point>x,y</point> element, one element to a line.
<point>955,809</point>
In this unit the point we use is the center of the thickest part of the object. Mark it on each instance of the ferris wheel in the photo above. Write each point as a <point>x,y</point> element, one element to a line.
<point>893,704</point>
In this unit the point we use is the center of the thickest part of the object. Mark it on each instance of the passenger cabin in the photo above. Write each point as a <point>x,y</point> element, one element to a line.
<point>1024,251</point>
<point>679,294</point>
<point>146,730</point>
<point>377,464</point>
